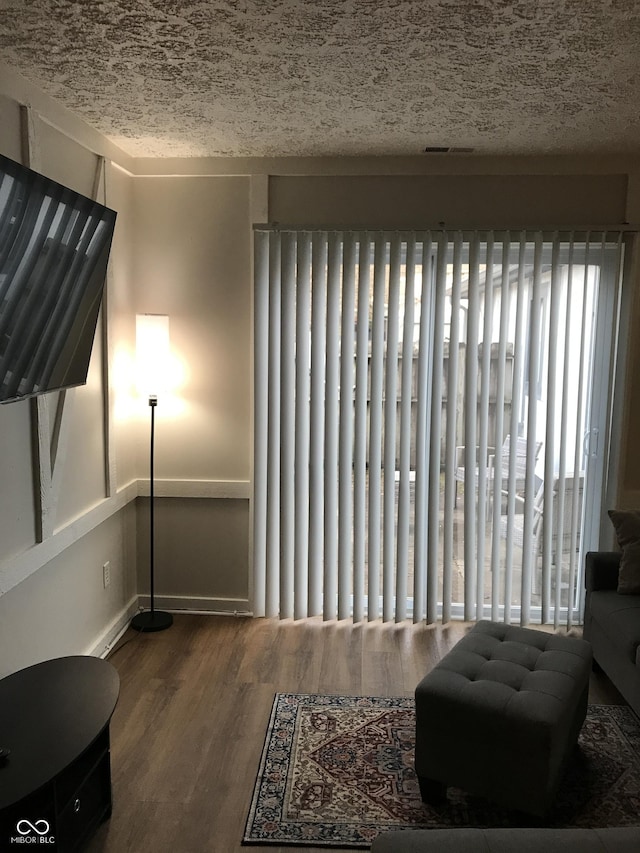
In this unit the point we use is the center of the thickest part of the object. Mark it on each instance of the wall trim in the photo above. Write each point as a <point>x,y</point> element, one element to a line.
<point>19,567</point>
<point>197,488</point>
<point>107,639</point>
<point>200,604</point>
<point>17,88</point>
<point>420,164</point>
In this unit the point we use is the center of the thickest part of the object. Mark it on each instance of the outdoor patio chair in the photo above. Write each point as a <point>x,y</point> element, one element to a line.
<point>460,469</point>
<point>520,467</point>
<point>557,548</point>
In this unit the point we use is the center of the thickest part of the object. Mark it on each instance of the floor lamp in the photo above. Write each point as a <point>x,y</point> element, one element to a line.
<point>152,350</point>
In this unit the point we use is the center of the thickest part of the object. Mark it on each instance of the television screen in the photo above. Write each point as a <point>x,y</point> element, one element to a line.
<point>54,249</point>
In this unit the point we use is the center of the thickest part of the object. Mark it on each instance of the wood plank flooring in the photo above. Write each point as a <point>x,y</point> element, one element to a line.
<point>188,731</point>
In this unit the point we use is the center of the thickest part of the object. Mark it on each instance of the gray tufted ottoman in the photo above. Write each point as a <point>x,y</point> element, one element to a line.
<point>500,715</point>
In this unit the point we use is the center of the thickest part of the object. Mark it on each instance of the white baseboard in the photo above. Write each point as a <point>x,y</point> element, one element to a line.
<point>199,604</point>
<point>106,640</point>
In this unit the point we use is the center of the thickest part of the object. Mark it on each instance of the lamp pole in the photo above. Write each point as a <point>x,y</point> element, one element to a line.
<point>152,619</point>
<point>153,402</point>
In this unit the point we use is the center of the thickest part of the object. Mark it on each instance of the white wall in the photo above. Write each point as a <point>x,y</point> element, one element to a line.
<point>62,608</point>
<point>183,246</point>
<point>53,599</point>
<point>193,262</point>
<point>452,200</point>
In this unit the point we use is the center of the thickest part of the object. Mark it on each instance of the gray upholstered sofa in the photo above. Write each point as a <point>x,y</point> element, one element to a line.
<point>612,625</point>
<point>459,840</point>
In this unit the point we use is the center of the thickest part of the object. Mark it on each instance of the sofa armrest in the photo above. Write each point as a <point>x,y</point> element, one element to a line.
<point>601,570</point>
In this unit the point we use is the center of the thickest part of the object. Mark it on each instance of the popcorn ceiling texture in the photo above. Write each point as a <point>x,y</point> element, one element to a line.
<point>337,77</point>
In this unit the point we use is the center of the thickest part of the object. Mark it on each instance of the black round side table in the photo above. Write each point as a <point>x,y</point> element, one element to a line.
<point>55,783</point>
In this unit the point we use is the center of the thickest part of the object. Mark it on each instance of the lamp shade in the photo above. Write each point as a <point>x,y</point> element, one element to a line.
<point>152,353</point>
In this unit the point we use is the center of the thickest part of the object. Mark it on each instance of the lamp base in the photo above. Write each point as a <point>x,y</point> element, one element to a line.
<point>148,621</point>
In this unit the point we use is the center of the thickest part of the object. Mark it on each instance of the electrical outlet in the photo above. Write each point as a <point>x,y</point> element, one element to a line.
<point>106,574</point>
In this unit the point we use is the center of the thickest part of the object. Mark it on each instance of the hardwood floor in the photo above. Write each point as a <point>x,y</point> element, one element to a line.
<point>188,731</point>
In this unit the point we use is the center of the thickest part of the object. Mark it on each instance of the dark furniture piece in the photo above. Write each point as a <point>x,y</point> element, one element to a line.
<point>459,840</point>
<point>55,785</point>
<point>499,715</point>
<point>612,624</point>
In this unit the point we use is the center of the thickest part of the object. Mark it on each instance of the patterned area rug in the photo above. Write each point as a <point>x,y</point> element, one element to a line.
<point>338,770</point>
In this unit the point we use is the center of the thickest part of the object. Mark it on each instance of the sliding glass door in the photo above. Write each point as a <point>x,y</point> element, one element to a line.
<point>431,421</point>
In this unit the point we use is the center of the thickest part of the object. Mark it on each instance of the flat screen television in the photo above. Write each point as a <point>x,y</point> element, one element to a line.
<point>54,249</point>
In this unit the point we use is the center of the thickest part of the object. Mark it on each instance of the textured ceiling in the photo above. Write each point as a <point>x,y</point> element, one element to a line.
<point>290,77</point>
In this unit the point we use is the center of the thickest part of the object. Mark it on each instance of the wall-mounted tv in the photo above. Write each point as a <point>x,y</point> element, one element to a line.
<point>54,249</point>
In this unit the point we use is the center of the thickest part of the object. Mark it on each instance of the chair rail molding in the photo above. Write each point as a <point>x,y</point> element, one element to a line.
<point>19,567</point>
<point>220,489</point>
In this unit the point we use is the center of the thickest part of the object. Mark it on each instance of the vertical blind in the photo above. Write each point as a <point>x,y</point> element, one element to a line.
<point>424,421</point>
